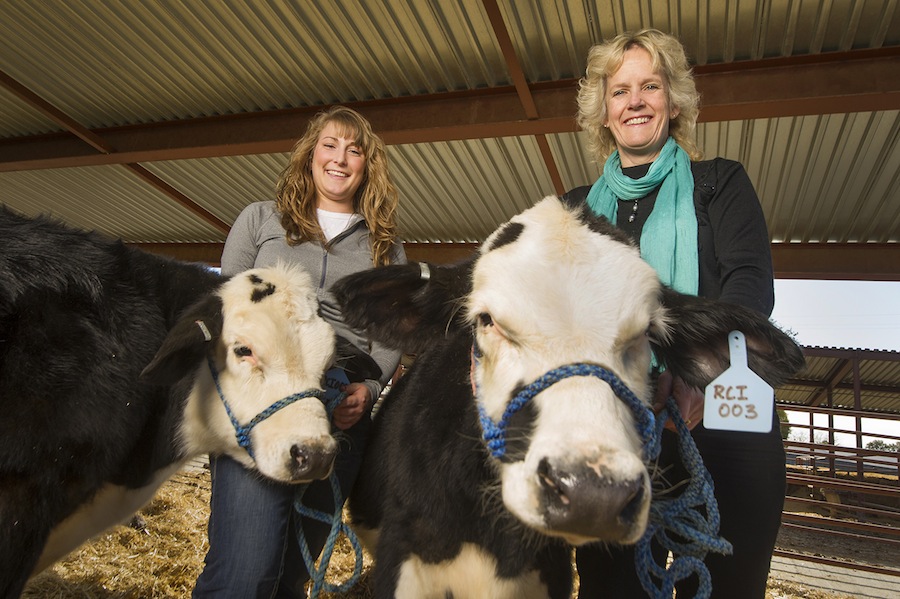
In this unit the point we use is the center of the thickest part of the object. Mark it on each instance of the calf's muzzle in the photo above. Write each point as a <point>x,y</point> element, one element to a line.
<point>583,501</point>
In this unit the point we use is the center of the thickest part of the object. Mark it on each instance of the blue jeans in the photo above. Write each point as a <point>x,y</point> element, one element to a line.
<point>253,547</point>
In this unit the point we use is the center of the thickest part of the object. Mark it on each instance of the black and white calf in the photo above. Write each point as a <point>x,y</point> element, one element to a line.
<point>449,515</point>
<point>106,384</point>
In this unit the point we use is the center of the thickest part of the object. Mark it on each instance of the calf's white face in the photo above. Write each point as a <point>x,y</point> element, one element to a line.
<point>548,291</point>
<point>273,344</point>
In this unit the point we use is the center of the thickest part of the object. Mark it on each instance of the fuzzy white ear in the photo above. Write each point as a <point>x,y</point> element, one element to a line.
<point>660,331</point>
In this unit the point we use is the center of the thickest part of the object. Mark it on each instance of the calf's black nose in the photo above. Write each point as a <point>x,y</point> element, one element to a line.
<point>310,463</point>
<point>590,503</point>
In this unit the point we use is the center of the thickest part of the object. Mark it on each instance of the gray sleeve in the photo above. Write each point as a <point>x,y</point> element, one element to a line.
<point>241,245</point>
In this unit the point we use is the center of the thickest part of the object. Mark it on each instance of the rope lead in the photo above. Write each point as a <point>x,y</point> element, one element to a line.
<point>317,573</point>
<point>335,519</point>
<point>682,516</point>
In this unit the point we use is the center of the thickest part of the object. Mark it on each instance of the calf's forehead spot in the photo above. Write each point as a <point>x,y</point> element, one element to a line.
<point>260,289</point>
<point>274,307</point>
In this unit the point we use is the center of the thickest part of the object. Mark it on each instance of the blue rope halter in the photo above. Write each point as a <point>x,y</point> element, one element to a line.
<point>678,515</point>
<point>242,431</point>
<point>494,434</point>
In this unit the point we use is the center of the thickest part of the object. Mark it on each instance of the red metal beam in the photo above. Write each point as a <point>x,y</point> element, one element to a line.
<point>517,74</point>
<point>53,113</point>
<point>840,82</point>
<point>509,55</point>
<point>837,261</point>
<point>102,145</point>
<point>797,86</point>
<point>179,197</point>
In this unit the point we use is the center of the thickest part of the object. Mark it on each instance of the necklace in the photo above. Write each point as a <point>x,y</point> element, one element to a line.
<point>633,214</point>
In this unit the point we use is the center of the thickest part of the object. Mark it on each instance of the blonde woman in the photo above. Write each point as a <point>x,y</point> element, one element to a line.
<point>700,225</point>
<point>334,214</point>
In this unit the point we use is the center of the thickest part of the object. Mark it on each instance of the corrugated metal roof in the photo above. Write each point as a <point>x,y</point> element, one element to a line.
<point>115,63</point>
<point>878,372</point>
<point>224,186</point>
<point>107,64</point>
<point>105,198</point>
<point>461,191</point>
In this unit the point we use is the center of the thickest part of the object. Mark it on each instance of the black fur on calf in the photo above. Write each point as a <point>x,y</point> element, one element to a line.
<point>697,349</point>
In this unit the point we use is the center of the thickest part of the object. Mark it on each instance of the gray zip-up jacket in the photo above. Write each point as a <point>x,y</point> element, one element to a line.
<point>257,239</point>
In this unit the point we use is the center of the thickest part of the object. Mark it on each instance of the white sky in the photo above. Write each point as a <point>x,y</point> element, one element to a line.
<point>844,314</point>
<point>848,314</point>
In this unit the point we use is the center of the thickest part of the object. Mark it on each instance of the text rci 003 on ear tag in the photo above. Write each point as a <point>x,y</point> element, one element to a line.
<point>738,399</point>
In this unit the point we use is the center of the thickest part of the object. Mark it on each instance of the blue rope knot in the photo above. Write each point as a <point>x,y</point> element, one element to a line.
<point>680,516</point>
<point>242,433</point>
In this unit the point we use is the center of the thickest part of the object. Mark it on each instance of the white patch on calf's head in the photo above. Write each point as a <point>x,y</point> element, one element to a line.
<point>549,290</point>
<point>560,293</point>
<point>273,345</point>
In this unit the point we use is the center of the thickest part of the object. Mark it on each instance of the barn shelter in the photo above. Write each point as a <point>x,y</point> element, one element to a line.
<point>158,122</point>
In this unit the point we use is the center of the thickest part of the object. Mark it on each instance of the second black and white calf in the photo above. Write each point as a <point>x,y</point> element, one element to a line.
<point>112,362</point>
<point>449,514</point>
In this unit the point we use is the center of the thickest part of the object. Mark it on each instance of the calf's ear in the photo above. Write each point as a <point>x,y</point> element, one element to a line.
<point>187,343</point>
<point>696,346</point>
<point>405,306</point>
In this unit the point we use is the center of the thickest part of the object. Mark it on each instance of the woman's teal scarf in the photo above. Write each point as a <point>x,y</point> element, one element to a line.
<point>669,237</point>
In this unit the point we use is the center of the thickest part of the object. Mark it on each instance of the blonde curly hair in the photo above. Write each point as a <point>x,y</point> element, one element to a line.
<point>376,199</point>
<point>668,58</point>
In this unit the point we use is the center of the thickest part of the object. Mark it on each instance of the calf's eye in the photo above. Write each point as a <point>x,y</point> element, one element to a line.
<point>485,320</point>
<point>243,351</point>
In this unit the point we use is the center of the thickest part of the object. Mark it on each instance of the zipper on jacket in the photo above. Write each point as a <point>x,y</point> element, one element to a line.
<point>324,267</point>
<point>334,240</point>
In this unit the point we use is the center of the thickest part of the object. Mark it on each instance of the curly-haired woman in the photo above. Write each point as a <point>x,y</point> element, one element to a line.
<point>334,215</point>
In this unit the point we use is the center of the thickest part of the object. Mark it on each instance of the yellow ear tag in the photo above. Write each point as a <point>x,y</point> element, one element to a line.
<point>738,399</point>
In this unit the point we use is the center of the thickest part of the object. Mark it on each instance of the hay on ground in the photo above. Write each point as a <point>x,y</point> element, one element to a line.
<point>161,555</point>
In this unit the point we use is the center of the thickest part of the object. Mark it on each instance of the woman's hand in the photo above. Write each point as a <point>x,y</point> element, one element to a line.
<point>353,407</point>
<point>690,400</point>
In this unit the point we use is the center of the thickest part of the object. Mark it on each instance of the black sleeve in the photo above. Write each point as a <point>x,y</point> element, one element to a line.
<point>575,197</point>
<point>740,240</point>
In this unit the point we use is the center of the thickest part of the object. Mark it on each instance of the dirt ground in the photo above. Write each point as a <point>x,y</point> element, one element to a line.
<point>160,556</point>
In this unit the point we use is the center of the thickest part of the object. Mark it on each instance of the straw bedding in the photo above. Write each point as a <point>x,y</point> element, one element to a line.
<point>160,553</point>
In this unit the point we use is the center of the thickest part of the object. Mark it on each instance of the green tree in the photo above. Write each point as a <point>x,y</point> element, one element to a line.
<point>879,445</point>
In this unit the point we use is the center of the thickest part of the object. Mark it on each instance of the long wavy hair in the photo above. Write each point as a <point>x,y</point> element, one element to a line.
<point>376,199</point>
<point>667,58</point>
